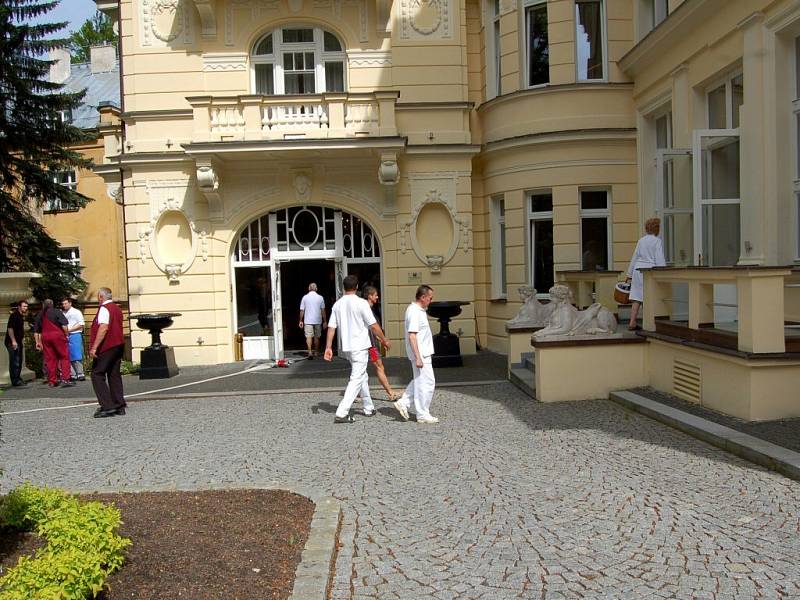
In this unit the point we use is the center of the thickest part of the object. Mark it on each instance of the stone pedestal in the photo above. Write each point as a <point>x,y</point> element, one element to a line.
<point>158,363</point>
<point>447,350</point>
<point>13,287</point>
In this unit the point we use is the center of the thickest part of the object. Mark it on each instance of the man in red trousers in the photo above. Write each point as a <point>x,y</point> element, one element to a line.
<point>53,328</point>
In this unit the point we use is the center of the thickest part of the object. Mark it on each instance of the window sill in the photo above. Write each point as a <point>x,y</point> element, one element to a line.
<point>498,300</point>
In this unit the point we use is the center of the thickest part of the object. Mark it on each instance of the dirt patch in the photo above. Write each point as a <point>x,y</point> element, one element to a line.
<point>232,544</point>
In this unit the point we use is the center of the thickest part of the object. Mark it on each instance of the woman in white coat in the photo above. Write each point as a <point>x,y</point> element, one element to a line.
<point>649,253</point>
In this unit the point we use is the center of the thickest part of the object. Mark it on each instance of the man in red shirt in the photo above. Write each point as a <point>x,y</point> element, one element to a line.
<point>52,327</point>
<point>106,344</point>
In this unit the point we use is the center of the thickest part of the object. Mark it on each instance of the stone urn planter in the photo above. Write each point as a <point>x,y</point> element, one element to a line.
<point>13,287</point>
<point>446,345</point>
<point>158,360</point>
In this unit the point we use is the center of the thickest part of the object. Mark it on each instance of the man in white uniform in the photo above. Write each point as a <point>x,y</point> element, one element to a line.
<point>312,318</point>
<point>353,317</point>
<point>75,323</point>
<point>419,349</point>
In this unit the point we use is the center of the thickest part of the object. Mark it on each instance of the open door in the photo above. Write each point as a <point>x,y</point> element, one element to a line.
<point>675,204</point>
<point>277,312</point>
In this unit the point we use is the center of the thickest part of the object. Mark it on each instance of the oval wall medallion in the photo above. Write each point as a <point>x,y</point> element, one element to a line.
<point>173,244</point>
<point>167,20</point>
<point>426,16</point>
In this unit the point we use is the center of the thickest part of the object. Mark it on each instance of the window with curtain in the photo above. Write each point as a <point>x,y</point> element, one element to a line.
<point>68,179</point>
<point>796,119</point>
<point>540,231</point>
<point>589,40</point>
<point>538,48</point>
<point>298,60</point>
<point>595,238</point>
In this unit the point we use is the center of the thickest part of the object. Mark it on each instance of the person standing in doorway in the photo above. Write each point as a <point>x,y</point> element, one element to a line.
<point>15,334</point>
<point>371,295</point>
<point>52,327</point>
<point>353,317</point>
<point>312,318</point>
<point>106,344</point>
<point>649,253</point>
<point>75,325</point>
<point>419,349</point>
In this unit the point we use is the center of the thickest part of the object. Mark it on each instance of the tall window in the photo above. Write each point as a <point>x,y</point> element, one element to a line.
<point>724,102</point>
<point>796,118</point>
<point>595,223</point>
<point>297,60</point>
<point>540,232</point>
<point>67,179</point>
<point>538,48</point>
<point>498,247</point>
<point>590,40</point>
<point>495,47</point>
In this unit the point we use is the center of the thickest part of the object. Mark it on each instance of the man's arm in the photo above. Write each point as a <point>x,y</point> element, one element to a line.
<point>324,318</point>
<point>12,336</point>
<point>412,339</point>
<point>101,334</point>
<point>376,329</point>
<point>302,319</point>
<point>329,343</point>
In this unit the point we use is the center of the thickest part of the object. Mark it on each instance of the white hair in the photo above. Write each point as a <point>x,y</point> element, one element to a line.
<point>105,292</point>
<point>312,287</point>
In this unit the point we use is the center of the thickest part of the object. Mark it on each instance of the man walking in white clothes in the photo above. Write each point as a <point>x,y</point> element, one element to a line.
<point>353,317</point>
<point>419,349</point>
<point>312,318</point>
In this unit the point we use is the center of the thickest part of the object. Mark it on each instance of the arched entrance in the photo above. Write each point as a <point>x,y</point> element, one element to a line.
<point>277,255</point>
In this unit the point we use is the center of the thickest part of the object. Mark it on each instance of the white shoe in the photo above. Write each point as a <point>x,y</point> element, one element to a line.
<point>427,420</point>
<point>401,408</point>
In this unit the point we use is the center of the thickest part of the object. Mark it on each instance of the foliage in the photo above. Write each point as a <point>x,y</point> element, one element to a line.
<point>96,31</point>
<point>34,359</point>
<point>35,145</point>
<point>82,547</point>
<point>129,368</point>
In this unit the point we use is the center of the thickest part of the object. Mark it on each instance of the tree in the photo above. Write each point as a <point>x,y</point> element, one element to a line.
<point>94,32</point>
<point>35,146</point>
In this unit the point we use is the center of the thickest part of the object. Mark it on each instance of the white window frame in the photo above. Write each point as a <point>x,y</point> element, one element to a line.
<point>595,213</point>
<point>526,6</point>
<point>795,104</point>
<point>726,81</point>
<point>52,205</point>
<point>491,20</point>
<point>279,48</point>
<point>75,258</point>
<point>498,247</point>
<point>532,218</point>
<point>604,33</point>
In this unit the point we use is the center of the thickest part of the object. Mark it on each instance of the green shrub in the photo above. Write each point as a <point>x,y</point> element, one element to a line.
<point>82,547</point>
<point>129,368</point>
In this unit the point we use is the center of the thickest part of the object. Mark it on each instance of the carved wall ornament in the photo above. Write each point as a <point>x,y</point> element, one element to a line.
<point>114,191</point>
<point>224,61</point>
<point>144,242</point>
<point>164,21</point>
<point>302,187</point>
<point>256,8</point>
<point>388,171</point>
<point>435,262</point>
<point>173,271</point>
<point>208,183</point>
<point>425,19</point>
<point>359,59</point>
<point>172,261</point>
<point>567,322</point>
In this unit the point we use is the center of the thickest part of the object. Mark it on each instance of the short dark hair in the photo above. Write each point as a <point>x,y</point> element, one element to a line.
<point>423,290</point>
<point>369,290</point>
<point>350,283</point>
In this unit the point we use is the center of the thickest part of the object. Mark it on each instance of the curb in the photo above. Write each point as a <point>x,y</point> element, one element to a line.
<point>758,451</point>
<point>313,574</point>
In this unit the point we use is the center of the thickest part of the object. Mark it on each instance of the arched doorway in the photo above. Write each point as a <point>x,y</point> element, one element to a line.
<point>275,258</point>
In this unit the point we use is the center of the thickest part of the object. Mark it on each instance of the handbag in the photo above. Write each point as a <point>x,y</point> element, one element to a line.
<point>622,292</point>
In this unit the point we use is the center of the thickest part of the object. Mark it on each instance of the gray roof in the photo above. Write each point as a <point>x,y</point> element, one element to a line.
<point>100,88</point>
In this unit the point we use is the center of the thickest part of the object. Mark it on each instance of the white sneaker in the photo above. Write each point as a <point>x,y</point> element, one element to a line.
<point>401,408</point>
<point>427,420</point>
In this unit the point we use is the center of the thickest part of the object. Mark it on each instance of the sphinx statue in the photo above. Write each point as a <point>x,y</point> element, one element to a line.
<point>566,320</point>
<point>532,313</point>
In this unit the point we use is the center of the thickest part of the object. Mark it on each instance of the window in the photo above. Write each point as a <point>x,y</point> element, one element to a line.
<point>298,60</point>
<point>590,40</point>
<point>537,45</point>
<point>67,179</point>
<point>70,255</point>
<point>498,247</point>
<point>796,118</point>
<point>540,232</point>
<point>65,116</point>
<point>493,48</point>
<point>723,103</point>
<point>595,238</point>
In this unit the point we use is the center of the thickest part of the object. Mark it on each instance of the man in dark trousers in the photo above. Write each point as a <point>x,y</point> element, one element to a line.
<point>106,344</point>
<point>53,329</point>
<point>14,337</point>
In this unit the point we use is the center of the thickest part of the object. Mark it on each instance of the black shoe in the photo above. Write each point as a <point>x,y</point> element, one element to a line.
<point>101,414</point>
<point>19,384</point>
<point>347,419</point>
<point>121,411</point>
<point>310,356</point>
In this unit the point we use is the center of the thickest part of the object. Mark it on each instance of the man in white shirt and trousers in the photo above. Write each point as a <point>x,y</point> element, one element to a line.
<point>419,349</point>
<point>75,323</point>
<point>353,317</point>
<point>312,318</point>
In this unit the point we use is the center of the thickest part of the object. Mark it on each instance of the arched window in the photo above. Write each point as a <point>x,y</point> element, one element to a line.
<point>297,60</point>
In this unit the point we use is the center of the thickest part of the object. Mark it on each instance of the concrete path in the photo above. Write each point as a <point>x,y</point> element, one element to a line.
<point>505,498</point>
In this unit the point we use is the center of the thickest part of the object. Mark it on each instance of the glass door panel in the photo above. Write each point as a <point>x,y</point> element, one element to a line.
<point>675,204</point>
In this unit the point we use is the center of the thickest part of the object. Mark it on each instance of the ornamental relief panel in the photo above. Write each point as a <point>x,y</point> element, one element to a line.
<point>425,19</point>
<point>166,22</point>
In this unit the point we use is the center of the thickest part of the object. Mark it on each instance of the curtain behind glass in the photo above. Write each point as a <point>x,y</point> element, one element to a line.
<point>538,48</point>
<point>589,39</point>
<point>265,83</point>
<point>334,76</point>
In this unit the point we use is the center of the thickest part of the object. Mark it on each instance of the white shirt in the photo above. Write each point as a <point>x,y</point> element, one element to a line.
<point>352,316</point>
<point>312,305</point>
<point>417,322</point>
<point>75,317</point>
<point>103,316</point>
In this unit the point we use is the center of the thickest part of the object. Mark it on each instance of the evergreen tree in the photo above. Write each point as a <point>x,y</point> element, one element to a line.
<point>94,32</point>
<point>35,145</point>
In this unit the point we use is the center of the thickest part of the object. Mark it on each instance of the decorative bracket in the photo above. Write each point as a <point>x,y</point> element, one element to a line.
<point>208,19</point>
<point>208,184</point>
<point>388,171</point>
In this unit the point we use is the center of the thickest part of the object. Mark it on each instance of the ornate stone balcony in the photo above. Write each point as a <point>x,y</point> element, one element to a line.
<point>308,116</point>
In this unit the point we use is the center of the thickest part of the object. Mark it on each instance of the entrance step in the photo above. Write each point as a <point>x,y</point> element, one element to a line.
<point>522,377</point>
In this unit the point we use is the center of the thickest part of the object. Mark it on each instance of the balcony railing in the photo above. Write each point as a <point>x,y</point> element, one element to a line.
<point>312,116</point>
<point>764,307</point>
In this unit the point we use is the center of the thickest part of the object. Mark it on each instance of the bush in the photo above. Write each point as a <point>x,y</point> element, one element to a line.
<point>129,368</point>
<point>82,547</point>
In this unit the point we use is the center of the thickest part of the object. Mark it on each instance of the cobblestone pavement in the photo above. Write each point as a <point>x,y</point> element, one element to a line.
<point>505,498</point>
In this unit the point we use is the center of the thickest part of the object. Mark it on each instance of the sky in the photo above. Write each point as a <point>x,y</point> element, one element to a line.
<point>74,11</point>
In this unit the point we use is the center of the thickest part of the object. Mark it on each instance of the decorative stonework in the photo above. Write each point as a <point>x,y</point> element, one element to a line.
<point>302,187</point>
<point>532,313</point>
<point>567,322</point>
<point>208,184</point>
<point>425,19</point>
<point>388,171</point>
<point>434,262</point>
<point>173,271</point>
<point>357,59</point>
<point>164,22</point>
<point>114,191</point>
<point>223,61</point>
<point>257,10</point>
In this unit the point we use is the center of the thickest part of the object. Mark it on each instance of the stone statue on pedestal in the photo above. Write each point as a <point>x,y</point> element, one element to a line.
<point>532,313</point>
<point>566,321</point>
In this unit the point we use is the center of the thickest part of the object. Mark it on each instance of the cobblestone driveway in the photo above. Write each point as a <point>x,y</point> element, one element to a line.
<point>504,499</point>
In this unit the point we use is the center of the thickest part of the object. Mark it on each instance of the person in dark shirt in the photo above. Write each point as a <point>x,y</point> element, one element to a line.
<point>52,331</point>
<point>15,332</point>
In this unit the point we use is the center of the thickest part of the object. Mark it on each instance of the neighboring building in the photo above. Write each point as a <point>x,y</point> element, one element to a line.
<point>475,146</point>
<point>93,236</point>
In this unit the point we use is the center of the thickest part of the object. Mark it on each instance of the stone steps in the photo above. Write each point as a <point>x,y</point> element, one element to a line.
<point>522,374</point>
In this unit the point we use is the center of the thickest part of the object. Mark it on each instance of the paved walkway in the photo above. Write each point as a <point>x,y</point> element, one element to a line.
<point>505,498</point>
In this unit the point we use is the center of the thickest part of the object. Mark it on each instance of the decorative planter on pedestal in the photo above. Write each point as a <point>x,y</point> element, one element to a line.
<point>158,360</point>
<point>446,345</point>
<point>13,287</point>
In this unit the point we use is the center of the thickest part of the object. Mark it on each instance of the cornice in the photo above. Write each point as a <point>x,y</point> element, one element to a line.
<point>241,147</point>
<point>565,136</point>
<point>555,89</point>
<point>434,106</point>
<point>157,115</point>
<point>470,149</point>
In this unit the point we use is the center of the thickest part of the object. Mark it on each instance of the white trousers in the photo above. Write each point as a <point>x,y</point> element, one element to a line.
<point>420,389</point>
<point>358,384</point>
